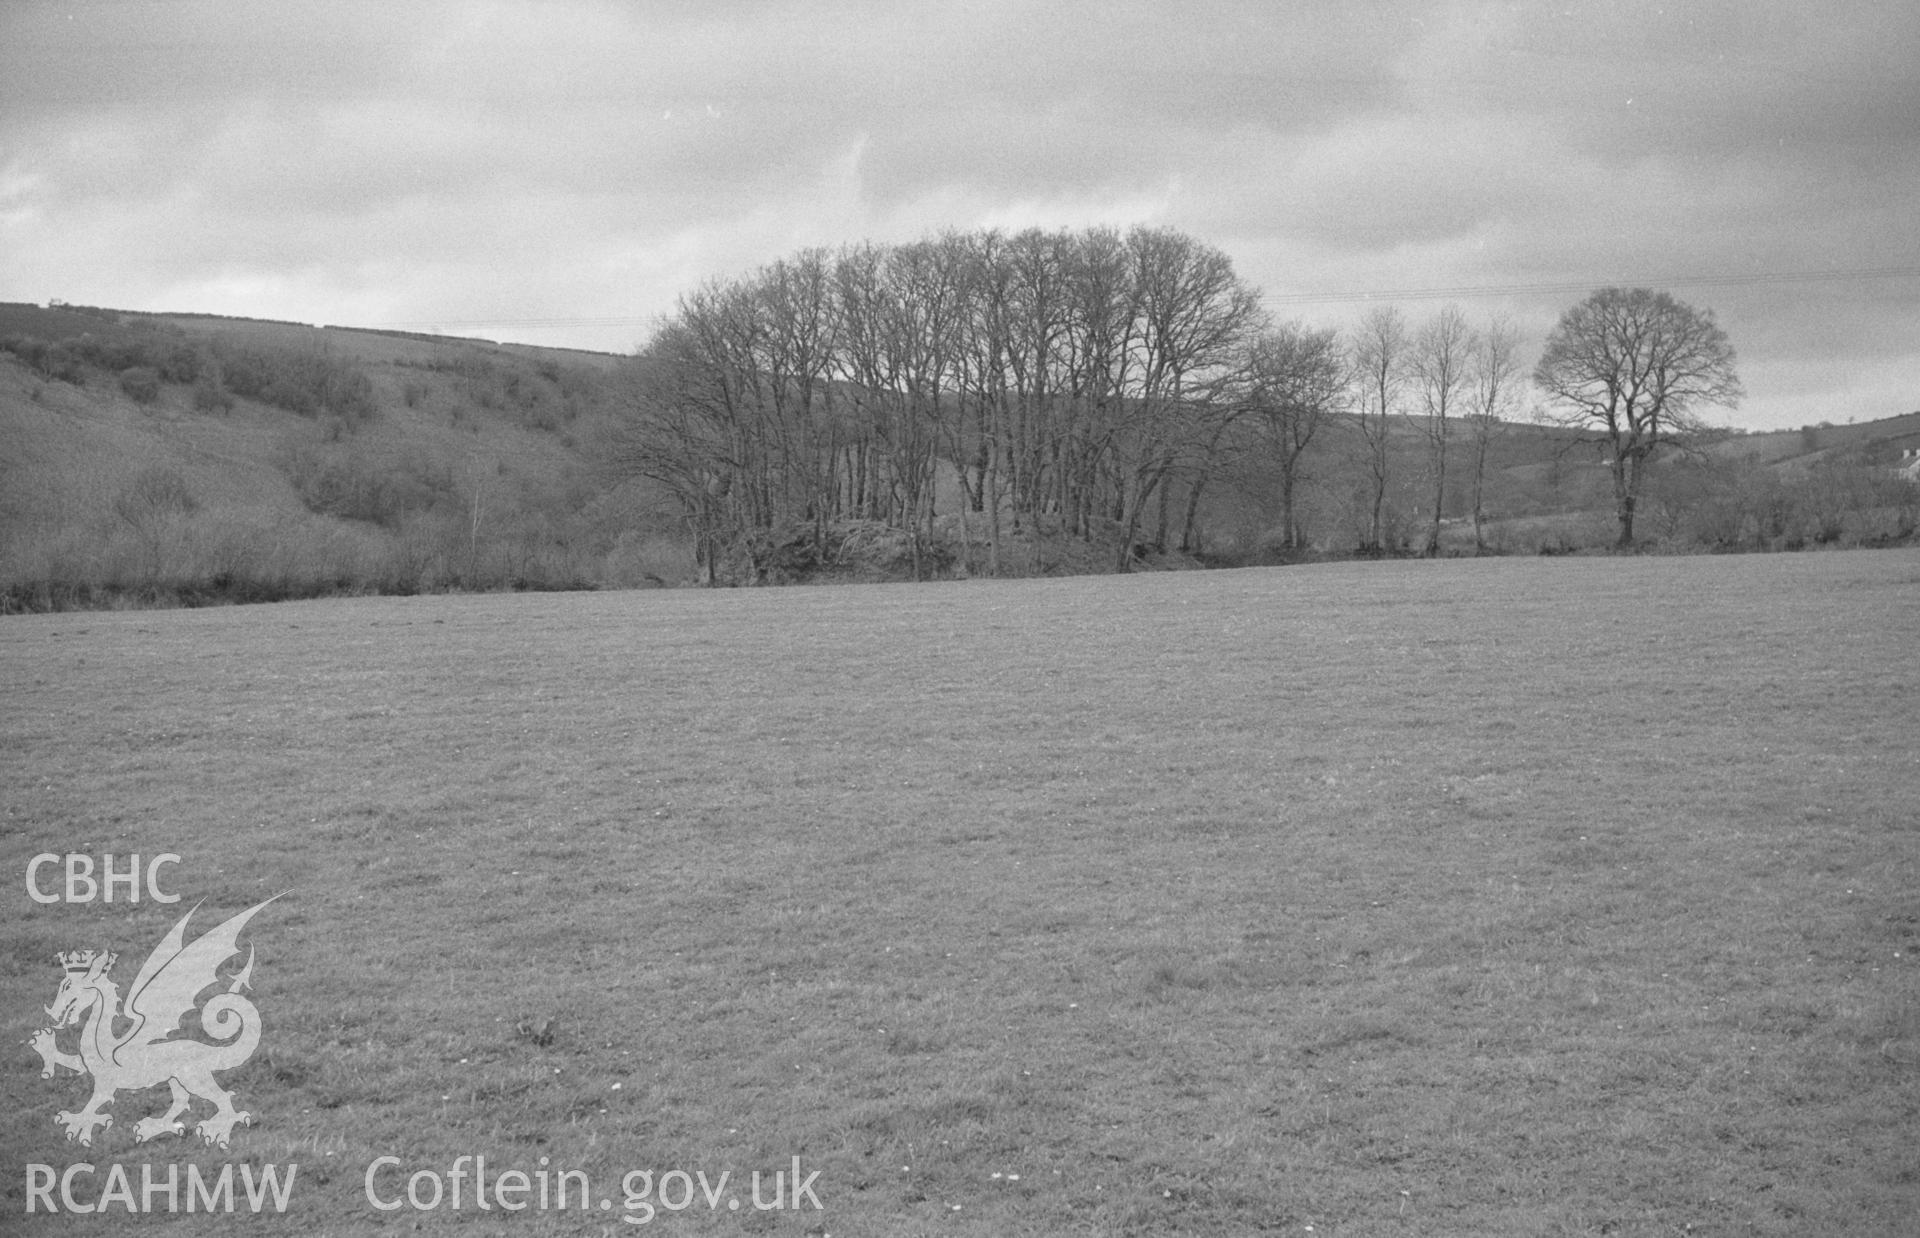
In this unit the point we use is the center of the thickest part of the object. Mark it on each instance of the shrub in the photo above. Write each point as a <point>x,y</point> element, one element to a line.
<point>171,359</point>
<point>142,382</point>
<point>508,386</point>
<point>182,363</point>
<point>209,396</point>
<point>31,352</point>
<point>61,361</point>
<point>155,491</point>
<point>356,486</point>
<point>306,383</point>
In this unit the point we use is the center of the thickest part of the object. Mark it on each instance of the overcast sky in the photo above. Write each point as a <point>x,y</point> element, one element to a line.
<point>560,172</point>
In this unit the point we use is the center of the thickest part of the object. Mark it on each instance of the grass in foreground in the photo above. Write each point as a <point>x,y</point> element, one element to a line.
<point>1494,898</point>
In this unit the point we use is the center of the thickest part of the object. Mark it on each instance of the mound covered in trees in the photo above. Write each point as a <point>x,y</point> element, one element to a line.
<point>1071,383</point>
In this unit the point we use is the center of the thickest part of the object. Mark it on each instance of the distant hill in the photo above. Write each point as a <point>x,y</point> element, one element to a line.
<point>1880,439</point>
<point>215,323</point>
<point>183,458</point>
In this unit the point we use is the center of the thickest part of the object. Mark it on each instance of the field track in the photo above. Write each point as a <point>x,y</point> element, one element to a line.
<point>1502,897</point>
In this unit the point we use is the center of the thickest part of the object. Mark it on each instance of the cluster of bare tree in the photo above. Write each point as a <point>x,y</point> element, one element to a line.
<point>1438,375</point>
<point>1628,369</point>
<point>1067,377</point>
<point>1093,382</point>
<point>1071,380</point>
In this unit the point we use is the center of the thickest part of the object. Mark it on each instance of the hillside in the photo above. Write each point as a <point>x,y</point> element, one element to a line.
<point>185,458</point>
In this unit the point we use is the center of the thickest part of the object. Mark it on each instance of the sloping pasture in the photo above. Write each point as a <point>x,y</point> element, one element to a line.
<point>1505,897</point>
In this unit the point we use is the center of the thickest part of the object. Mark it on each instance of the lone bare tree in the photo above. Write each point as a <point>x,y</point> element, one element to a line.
<point>1439,363</point>
<point>1633,365</point>
<point>1494,379</point>
<point>1296,380</point>
<point>1380,370</point>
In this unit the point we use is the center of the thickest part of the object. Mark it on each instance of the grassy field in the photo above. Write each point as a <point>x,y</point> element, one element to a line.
<point>1505,897</point>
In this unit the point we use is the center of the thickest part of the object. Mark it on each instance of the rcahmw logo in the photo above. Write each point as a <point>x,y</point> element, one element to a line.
<point>164,991</point>
<point>168,1192</point>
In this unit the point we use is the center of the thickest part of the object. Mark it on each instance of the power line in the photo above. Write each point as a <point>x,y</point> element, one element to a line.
<point>1574,286</point>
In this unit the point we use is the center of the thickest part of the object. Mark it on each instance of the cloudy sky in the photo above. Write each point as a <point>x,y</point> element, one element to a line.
<point>558,172</point>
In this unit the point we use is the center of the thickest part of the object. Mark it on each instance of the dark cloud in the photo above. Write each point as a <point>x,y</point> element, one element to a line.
<point>592,160</point>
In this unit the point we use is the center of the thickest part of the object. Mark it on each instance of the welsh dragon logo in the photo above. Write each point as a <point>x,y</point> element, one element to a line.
<point>141,1054</point>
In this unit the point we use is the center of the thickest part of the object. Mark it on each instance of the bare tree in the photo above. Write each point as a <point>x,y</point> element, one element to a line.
<point>681,429</point>
<point>476,510</point>
<point>1632,365</point>
<point>1438,364</point>
<point>1493,378</point>
<point>1096,368</point>
<point>923,284</point>
<point>1195,315</point>
<point>1295,381</point>
<point>983,346</point>
<point>793,302</point>
<point>1379,365</point>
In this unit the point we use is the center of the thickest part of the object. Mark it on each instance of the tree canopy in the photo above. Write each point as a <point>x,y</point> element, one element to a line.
<point>1636,366</point>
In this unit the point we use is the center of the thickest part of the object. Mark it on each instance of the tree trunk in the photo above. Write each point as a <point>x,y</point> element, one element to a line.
<point>1439,501</point>
<point>992,488</point>
<point>1160,534</point>
<point>1289,533</point>
<point>1193,511</point>
<point>1377,525</point>
<point>1624,476</point>
<point>1125,561</point>
<point>1130,520</point>
<point>1376,532</point>
<point>1479,491</point>
<point>966,534</point>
